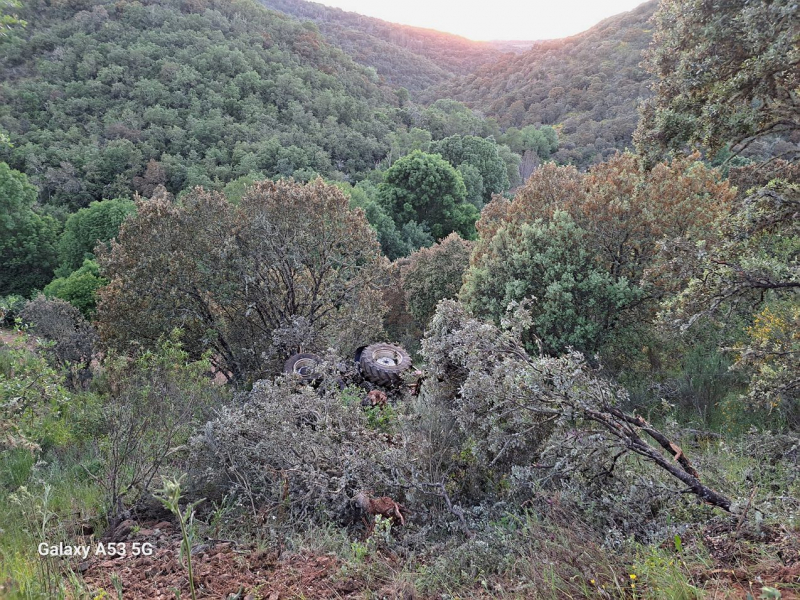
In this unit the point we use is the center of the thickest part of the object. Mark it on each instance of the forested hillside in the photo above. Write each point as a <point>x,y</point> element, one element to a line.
<point>272,328</point>
<point>587,86</point>
<point>410,57</point>
<point>103,99</point>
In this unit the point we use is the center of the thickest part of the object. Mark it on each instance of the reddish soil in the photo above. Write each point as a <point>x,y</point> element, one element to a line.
<point>222,570</point>
<point>228,571</point>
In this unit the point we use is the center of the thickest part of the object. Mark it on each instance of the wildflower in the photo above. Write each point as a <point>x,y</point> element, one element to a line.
<point>633,577</point>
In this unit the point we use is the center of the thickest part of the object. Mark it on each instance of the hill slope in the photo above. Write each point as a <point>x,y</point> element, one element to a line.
<point>411,57</point>
<point>587,85</point>
<point>103,98</point>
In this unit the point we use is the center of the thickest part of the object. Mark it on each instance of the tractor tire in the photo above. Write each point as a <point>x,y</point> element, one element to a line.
<point>303,366</point>
<point>383,364</point>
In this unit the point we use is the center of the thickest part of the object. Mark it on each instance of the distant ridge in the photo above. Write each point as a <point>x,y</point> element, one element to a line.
<point>587,85</point>
<point>405,56</point>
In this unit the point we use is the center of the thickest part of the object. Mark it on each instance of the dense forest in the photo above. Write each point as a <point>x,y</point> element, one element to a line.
<point>588,86</point>
<point>296,303</point>
<point>405,56</point>
<point>101,100</point>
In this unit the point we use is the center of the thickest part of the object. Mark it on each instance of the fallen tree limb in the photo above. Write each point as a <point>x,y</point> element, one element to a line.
<point>614,419</point>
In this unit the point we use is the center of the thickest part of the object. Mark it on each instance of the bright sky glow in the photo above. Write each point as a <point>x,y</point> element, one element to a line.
<point>493,19</point>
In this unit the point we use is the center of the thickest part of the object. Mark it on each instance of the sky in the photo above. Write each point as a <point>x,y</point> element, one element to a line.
<point>492,19</point>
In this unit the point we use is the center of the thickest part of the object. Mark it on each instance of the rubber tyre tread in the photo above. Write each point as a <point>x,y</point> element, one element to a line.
<point>384,375</point>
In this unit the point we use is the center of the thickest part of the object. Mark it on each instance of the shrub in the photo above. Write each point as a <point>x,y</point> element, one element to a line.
<point>70,339</point>
<point>576,302</point>
<point>510,408</point>
<point>152,405</point>
<point>79,288</point>
<point>291,267</point>
<point>433,274</point>
<point>32,398</point>
<point>298,452</point>
<point>10,306</point>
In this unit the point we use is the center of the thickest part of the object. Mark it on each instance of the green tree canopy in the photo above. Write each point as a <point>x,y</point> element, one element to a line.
<point>97,223</point>
<point>727,72</point>
<point>426,189</point>
<point>575,302</point>
<point>112,116</point>
<point>481,154</point>
<point>27,239</point>
<point>396,241</point>
<point>79,288</point>
<point>290,268</point>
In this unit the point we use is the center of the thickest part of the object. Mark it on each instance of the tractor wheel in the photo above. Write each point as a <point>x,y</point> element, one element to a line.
<point>383,364</point>
<point>304,366</point>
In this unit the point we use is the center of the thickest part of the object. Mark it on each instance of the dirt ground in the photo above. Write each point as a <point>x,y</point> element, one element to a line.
<point>222,570</point>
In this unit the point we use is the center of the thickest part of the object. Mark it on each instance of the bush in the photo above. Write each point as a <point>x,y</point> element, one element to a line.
<point>32,398</point>
<point>10,306</point>
<point>79,288</point>
<point>576,303</point>
<point>291,268</point>
<point>97,223</point>
<point>433,274</point>
<point>510,409</point>
<point>152,405</point>
<point>299,452</point>
<point>70,340</point>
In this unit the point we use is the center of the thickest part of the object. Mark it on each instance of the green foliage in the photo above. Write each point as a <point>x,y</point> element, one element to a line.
<point>433,274</point>
<point>395,241</point>
<point>750,271</point>
<point>97,223</point>
<point>9,309</point>
<point>79,288</point>
<point>9,21</point>
<point>33,399</point>
<point>27,239</point>
<point>513,163</point>
<point>474,184</point>
<point>724,74</point>
<point>113,116</point>
<point>234,190</point>
<point>170,496</point>
<point>447,117</point>
<point>625,214</point>
<point>586,87</point>
<point>406,141</point>
<point>152,405</point>
<point>480,154</point>
<point>542,140</point>
<point>411,57</point>
<point>236,278</point>
<point>576,303</point>
<point>426,189</point>
<point>43,501</point>
<point>381,418</point>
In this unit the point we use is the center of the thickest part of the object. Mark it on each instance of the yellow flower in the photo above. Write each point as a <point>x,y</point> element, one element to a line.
<point>633,576</point>
<point>591,581</point>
